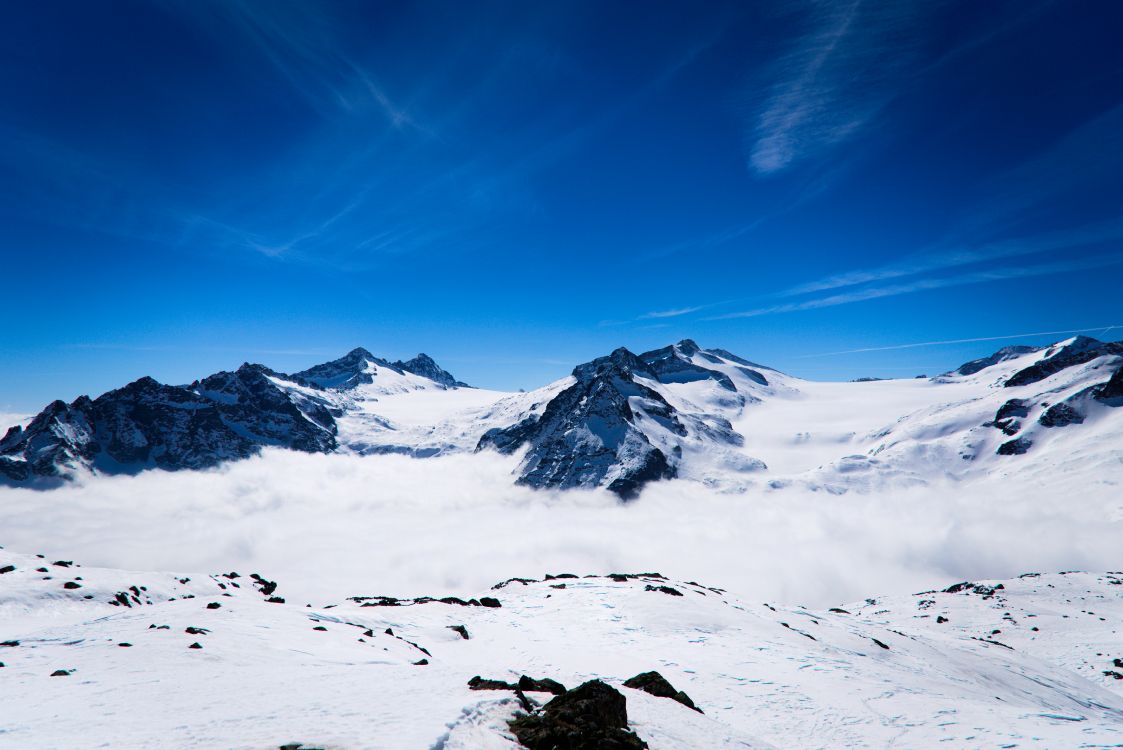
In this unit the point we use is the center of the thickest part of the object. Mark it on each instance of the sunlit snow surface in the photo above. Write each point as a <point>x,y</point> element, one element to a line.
<point>840,491</point>
<point>766,675</point>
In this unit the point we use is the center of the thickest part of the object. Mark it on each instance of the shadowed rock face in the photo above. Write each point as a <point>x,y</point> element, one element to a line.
<point>1003,354</point>
<point>671,364</point>
<point>424,366</point>
<point>1111,392</point>
<point>587,434</point>
<point>223,417</point>
<point>1015,447</point>
<point>592,716</point>
<point>147,424</point>
<point>612,429</point>
<point>350,371</point>
<point>656,684</point>
<point>1083,349</point>
<point>1060,415</point>
<point>346,372</point>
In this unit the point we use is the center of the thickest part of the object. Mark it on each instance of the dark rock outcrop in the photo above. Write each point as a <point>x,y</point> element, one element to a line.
<point>1003,354</point>
<point>657,685</point>
<point>1082,350</point>
<point>1060,415</point>
<point>350,371</point>
<point>1015,447</point>
<point>480,683</point>
<point>544,685</point>
<point>592,716</point>
<point>1007,418</point>
<point>344,373</point>
<point>424,366</point>
<point>587,435</point>
<point>611,428</point>
<point>146,424</point>
<point>1111,392</point>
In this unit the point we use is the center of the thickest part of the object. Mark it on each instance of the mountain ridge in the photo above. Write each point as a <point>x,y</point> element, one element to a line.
<point>620,421</point>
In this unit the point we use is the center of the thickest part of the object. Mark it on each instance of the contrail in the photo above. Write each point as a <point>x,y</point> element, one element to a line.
<point>1100,329</point>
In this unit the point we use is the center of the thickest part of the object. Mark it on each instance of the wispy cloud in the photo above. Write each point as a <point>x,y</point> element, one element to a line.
<point>1106,231</point>
<point>1100,330</point>
<point>302,44</point>
<point>840,73</point>
<point>672,313</point>
<point>919,285</point>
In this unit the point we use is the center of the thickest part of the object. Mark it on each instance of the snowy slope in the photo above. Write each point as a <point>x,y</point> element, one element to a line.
<point>621,421</point>
<point>372,672</point>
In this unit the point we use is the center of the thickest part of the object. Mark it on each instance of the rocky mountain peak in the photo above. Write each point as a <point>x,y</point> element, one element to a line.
<point>426,367</point>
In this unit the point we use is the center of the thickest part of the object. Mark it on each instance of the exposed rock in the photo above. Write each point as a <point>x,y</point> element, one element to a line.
<point>479,683</point>
<point>1060,415</point>
<point>1111,392</point>
<point>587,435</point>
<point>424,366</point>
<point>461,629</point>
<point>545,685</point>
<point>663,590</point>
<point>1007,416</point>
<point>146,424</point>
<point>657,685</point>
<point>592,716</point>
<point>1082,349</point>
<point>1015,447</point>
<point>1003,354</point>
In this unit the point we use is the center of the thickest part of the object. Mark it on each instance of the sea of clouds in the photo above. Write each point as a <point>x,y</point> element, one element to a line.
<point>331,526</point>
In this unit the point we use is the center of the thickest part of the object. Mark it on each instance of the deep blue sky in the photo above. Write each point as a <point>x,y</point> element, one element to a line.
<point>517,187</point>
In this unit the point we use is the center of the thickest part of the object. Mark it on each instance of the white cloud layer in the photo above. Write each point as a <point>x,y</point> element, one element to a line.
<point>332,526</point>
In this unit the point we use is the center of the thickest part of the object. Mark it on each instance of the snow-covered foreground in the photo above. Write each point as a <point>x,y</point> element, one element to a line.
<point>1027,664</point>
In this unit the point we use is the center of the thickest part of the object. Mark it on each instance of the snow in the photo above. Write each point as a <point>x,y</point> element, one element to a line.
<point>766,675</point>
<point>826,493</point>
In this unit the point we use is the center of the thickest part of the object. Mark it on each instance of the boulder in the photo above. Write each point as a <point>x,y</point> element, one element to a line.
<point>657,685</point>
<point>592,716</point>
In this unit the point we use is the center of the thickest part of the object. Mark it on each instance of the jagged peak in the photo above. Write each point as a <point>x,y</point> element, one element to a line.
<point>427,367</point>
<point>359,353</point>
<point>688,347</point>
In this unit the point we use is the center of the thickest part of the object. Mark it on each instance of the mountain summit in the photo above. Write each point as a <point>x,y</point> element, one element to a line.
<point>619,422</point>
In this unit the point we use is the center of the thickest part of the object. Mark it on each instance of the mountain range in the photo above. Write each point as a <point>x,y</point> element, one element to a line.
<point>619,421</point>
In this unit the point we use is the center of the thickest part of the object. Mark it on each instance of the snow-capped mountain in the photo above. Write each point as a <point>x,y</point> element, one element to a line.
<point>149,660</point>
<point>627,420</point>
<point>619,421</point>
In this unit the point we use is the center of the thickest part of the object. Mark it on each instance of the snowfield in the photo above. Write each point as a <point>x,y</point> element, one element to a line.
<point>845,560</point>
<point>1024,663</point>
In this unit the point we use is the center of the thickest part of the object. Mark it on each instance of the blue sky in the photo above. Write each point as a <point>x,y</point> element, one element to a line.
<point>517,187</point>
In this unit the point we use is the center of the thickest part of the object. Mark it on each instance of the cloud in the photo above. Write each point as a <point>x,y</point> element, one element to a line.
<point>977,277</point>
<point>303,45</point>
<point>1100,329</point>
<point>1090,234</point>
<point>672,313</point>
<point>332,526</point>
<point>840,73</point>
